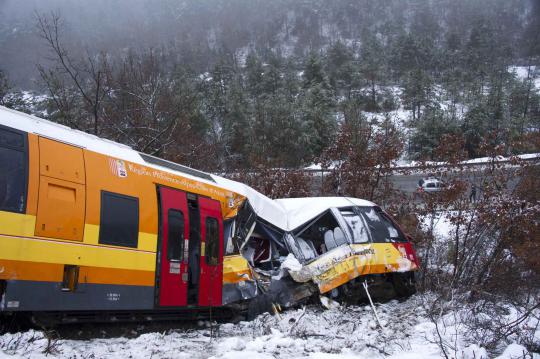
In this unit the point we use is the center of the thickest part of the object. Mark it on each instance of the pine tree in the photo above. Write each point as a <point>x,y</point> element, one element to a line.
<point>430,131</point>
<point>371,68</point>
<point>317,104</point>
<point>254,75</point>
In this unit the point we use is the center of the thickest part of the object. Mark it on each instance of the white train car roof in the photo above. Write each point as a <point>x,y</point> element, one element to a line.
<point>302,210</point>
<point>32,124</point>
<point>266,208</point>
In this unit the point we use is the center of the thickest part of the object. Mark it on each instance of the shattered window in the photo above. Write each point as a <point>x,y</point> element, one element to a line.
<point>372,215</point>
<point>307,248</point>
<point>230,247</point>
<point>381,227</point>
<point>261,252</point>
<point>321,236</point>
<point>356,226</point>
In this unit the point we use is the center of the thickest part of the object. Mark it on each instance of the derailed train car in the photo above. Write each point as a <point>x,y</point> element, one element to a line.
<point>323,246</point>
<point>93,230</point>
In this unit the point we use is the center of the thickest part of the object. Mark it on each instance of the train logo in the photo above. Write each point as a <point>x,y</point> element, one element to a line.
<point>117,167</point>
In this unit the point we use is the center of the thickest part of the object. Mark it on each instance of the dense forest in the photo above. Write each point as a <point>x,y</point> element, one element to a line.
<point>224,85</point>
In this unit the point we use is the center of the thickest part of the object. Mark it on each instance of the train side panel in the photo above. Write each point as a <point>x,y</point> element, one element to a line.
<point>86,235</point>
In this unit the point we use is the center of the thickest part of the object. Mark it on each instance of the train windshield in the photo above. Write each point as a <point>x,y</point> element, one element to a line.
<point>381,227</point>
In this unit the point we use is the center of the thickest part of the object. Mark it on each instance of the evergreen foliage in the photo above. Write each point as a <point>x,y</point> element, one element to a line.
<point>243,83</point>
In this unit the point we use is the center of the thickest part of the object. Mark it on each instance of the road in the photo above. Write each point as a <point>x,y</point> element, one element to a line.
<point>408,183</point>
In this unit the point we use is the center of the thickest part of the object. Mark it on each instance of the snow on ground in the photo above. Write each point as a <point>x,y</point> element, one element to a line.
<point>440,221</point>
<point>312,332</point>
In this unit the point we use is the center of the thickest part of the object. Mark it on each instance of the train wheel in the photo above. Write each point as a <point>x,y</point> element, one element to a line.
<point>404,284</point>
<point>258,305</point>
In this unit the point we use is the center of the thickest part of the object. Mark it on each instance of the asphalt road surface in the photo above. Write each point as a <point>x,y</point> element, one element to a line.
<point>408,183</point>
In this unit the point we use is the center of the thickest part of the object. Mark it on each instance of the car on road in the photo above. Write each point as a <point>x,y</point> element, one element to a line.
<point>430,185</point>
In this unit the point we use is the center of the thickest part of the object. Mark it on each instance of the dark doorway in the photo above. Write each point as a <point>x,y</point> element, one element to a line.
<point>194,250</point>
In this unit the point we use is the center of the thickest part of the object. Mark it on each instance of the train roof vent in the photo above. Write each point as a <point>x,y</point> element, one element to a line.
<point>175,166</point>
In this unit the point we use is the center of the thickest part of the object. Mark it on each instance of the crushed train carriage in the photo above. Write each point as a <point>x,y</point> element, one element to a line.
<point>89,226</point>
<point>301,247</point>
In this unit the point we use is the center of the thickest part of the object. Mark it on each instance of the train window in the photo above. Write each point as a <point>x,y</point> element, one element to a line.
<point>212,241</point>
<point>320,236</point>
<point>175,241</point>
<point>357,227</point>
<point>119,220</point>
<point>381,227</point>
<point>13,171</point>
<point>12,138</point>
<point>395,234</point>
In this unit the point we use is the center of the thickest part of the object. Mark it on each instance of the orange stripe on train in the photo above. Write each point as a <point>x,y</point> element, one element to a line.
<point>51,272</point>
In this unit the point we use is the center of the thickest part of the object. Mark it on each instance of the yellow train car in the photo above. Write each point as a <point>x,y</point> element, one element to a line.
<point>91,225</point>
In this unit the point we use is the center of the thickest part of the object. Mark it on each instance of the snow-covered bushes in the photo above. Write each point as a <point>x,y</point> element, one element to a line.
<point>484,265</point>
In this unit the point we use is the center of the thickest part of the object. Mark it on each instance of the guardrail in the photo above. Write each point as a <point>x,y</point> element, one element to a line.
<point>433,166</point>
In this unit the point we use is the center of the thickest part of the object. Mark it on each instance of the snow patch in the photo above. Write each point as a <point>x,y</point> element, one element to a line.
<point>311,332</point>
<point>514,351</point>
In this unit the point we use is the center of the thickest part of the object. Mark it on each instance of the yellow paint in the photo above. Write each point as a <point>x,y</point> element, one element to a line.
<point>235,269</point>
<point>91,234</point>
<point>61,161</point>
<point>33,174</point>
<point>23,225</point>
<point>80,174</point>
<point>64,252</point>
<point>16,224</point>
<point>147,241</point>
<point>234,263</point>
<point>373,258</point>
<point>61,209</point>
<point>51,272</point>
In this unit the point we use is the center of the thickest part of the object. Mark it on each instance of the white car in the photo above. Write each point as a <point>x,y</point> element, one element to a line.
<point>430,184</point>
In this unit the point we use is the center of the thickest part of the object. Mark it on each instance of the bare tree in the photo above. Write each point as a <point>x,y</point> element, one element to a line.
<point>70,80</point>
<point>155,110</point>
<point>489,262</point>
<point>361,161</point>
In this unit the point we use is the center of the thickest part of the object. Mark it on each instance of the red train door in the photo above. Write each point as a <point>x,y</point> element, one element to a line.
<point>173,280</point>
<point>211,276</point>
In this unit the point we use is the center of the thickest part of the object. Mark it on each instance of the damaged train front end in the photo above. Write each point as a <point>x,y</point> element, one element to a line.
<point>297,249</point>
<point>348,242</point>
